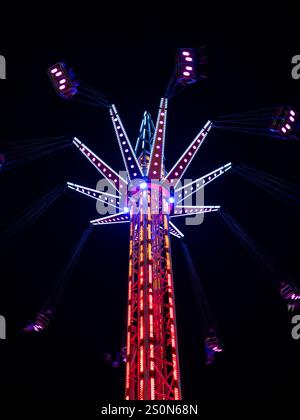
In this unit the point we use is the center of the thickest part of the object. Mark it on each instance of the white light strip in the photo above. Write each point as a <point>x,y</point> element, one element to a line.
<point>179,233</point>
<point>130,171</point>
<point>163,108</point>
<point>115,218</point>
<point>89,192</point>
<point>196,145</point>
<point>121,180</point>
<point>214,175</point>
<point>190,210</point>
<point>70,185</point>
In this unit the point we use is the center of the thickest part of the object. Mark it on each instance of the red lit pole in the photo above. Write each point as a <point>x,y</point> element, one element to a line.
<point>152,365</point>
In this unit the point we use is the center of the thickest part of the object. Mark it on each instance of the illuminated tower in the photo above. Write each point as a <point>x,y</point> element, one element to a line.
<point>147,199</point>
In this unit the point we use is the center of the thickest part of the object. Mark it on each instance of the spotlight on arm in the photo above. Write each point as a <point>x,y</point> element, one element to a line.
<point>143,185</point>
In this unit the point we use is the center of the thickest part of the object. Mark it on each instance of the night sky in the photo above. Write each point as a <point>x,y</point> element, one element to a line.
<point>128,55</point>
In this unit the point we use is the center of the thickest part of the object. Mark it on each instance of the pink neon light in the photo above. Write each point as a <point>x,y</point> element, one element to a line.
<point>62,87</point>
<point>185,53</point>
<point>186,73</point>
<point>141,389</point>
<point>189,68</point>
<point>141,303</point>
<point>141,328</point>
<point>151,302</point>
<point>150,274</point>
<point>291,118</point>
<point>292,113</point>
<point>54,70</point>
<point>283,130</point>
<point>151,325</point>
<point>188,59</point>
<point>176,393</point>
<point>288,126</point>
<point>59,73</point>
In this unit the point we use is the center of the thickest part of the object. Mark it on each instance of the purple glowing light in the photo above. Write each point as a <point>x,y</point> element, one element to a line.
<point>291,118</point>
<point>185,53</point>
<point>189,68</point>
<point>54,70</point>
<point>62,81</point>
<point>59,73</point>
<point>288,126</point>
<point>62,87</point>
<point>188,59</point>
<point>186,73</point>
<point>292,113</point>
<point>283,130</point>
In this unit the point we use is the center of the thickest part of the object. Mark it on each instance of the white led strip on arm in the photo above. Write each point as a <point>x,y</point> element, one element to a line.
<point>109,220</point>
<point>194,186</point>
<point>131,163</point>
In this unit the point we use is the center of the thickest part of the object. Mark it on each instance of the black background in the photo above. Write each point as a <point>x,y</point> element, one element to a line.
<point>128,53</point>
